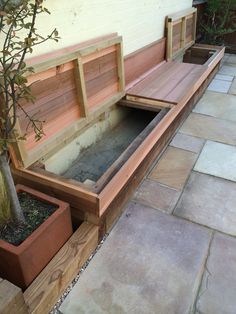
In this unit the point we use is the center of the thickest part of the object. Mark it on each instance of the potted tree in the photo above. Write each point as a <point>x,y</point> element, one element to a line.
<point>33,226</point>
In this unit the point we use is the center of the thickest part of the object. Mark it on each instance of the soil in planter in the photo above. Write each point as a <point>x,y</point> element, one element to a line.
<point>35,213</point>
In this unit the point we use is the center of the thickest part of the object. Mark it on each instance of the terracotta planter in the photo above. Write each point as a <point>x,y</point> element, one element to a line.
<point>21,264</point>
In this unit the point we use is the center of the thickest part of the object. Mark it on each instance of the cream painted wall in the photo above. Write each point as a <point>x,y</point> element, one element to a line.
<point>140,22</point>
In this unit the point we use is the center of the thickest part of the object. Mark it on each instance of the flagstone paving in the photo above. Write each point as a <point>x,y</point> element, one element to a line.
<point>156,195</point>
<point>210,128</point>
<point>150,263</point>
<point>174,167</point>
<point>217,105</point>
<point>173,251</point>
<point>220,86</point>
<point>209,201</point>
<point>187,142</point>
<point>224,77</point>
<point>228,70</point>
<point>218,160</point>
<point>217,293</point>
<point>232,89</point>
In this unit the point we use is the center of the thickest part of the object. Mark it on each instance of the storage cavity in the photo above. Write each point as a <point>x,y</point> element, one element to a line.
<point>90,155</point>
<point>198,55</point>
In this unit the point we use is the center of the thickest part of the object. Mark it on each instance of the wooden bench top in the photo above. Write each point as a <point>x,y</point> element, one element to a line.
<point>169,82</point>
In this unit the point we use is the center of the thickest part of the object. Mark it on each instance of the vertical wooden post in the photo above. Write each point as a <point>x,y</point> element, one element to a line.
<point>183,32</point>
<point>194,25</point>
<point>120,64</point>
<point>169,40</point>
<point>80,87</point>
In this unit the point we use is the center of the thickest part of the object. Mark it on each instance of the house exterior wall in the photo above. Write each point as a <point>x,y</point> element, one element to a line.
<point>140,22</point>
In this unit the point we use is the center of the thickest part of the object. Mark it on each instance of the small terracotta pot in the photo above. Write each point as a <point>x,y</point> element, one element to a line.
<point>21,264</point>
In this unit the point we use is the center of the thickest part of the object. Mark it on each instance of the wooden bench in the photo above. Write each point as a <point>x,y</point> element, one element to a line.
<point>79,90</point>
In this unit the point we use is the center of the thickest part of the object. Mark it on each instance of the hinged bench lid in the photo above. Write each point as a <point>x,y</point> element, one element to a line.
<point>181,32</point>
<point>71,90</point>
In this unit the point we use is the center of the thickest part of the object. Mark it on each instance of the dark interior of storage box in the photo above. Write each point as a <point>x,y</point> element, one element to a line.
<point>197,55</point>
<point>96,159</point>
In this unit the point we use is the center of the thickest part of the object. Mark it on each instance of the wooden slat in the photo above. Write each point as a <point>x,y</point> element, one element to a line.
<point>80,88</point>
<point>179,15</point>
<point>99,49</point>
<point>121,69</point>
<point>62,56</point>
<point>101,82</point>
<point>171,80</point>
<point>152,81</point>
<point>169,40</point>
<point>59,187</point>
<point>11,299</point>
<point>186,83</point>
<point>163,82</point>
<point>139,105</point>
<point>57,275</point>
<point>183,32</point>
<point>95,68</point>
<point>143,60</point>
<point>150,102</point>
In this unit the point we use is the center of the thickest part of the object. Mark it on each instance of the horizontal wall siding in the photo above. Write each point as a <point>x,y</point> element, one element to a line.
<point>139,22</point>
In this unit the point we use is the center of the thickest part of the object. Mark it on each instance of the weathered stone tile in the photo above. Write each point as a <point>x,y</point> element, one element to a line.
<point>210,128</point>
<point>228,78</point>
<point>217,293</point>
<point>232,89</point>
<point>149,261</point>
<point>227,69</point>
<point>218,160</point>
<point>217,105</point>
<point>187,142</point>
<point>231,60</point>
<point>209,201</point>
<point>219,86</point>
<point>174,167</point>
<point>160,197</point>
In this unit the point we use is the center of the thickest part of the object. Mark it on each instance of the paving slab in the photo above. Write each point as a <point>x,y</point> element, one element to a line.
<point>228,78</point>
<point>150,263</point>
<point>187,142</point>
<point>232,89</point>
<point>209,201</point>
<point>210,128</point>
<point>218,160</point>
<point>227,69</point>
<point>156,195</point>
<point>217,293</point>
<point>174,167</point>
<point>217,105</point>
<point>231,60</point>
<point>219,86</point>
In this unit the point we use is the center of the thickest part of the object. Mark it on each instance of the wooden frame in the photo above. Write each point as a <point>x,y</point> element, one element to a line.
<point>179,20</point>
<point>74,60</point>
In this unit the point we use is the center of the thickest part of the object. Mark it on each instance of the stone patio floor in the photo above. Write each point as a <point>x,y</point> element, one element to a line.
<point>173,251</point>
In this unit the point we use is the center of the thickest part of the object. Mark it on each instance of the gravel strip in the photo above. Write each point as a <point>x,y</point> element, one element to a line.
<point>55,309</point>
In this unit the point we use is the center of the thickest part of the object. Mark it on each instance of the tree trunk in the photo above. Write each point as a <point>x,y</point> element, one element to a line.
<point>16,212</point>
